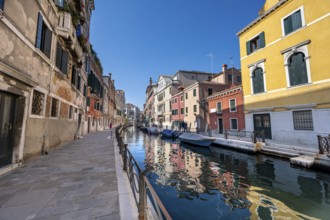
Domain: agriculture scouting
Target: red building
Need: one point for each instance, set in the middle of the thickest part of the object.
(226, 110)
(177, 107)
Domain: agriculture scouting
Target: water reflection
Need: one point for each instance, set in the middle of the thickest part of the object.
(200, 183)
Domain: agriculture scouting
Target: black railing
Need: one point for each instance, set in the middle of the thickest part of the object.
(324, 144)
(139, 183)
(254, 136)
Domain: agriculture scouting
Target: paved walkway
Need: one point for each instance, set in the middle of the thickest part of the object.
(78, 180)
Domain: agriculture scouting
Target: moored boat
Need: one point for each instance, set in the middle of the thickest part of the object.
(167, 133)
(196, 139)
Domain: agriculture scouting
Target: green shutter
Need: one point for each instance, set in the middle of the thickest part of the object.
(296, 20)
(48, 42)
(248, 48)
(288, 25)
(262, 42)
(64, 63)
(39, 31)
(2, 4)
(58, 56)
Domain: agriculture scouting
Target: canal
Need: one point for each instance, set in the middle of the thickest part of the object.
(217, 183)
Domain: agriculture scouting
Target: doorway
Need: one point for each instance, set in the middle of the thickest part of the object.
(220, 124)
(262, 122)
(7, 120)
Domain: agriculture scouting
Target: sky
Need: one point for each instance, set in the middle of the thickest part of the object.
(139, 39)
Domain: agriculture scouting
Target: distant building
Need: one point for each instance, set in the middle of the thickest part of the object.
(149, 110)
(285, 69)
(133, 114)
(120, 101)
(109, 104)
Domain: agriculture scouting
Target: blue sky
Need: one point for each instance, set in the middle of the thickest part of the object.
(139, 39)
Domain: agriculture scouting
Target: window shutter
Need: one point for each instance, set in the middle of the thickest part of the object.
(78, 82)
(39, 31)
(2, 4)
(288, 25)
(58, 56)
(73, 76)
(85, 89)
(64, 63)
(48, 42)
(262, 42)
(248, 48)
(296, 20)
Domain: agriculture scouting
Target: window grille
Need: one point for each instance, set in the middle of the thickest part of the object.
(54, 109)
(303, 120)
(233, 124)
(37, 103)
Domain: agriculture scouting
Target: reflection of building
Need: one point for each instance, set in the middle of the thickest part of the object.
(133, 114)
(285, 69)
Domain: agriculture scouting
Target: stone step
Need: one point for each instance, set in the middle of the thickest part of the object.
(303, 161)
(280, 153)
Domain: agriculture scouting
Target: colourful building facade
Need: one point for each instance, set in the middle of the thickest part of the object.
(285, 71)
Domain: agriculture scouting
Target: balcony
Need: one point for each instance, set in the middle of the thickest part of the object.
(159, 113)
(65, 27)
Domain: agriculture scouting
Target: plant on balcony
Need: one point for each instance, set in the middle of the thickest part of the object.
(97, 60)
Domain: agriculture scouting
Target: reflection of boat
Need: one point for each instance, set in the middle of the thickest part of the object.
(199, 150)
(152, 130)
(166, 133)
(196, 139)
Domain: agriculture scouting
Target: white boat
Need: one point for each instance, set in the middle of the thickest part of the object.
(196, 139)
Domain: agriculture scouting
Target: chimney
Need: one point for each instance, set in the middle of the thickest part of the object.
(224, 67)
(110, 75)
(150, 81)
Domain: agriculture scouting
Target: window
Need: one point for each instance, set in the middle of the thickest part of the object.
(2, 4)
(186, 95)
(195, 108)
(181, 98)
(62, 61)
(233, 124)
(59, 3)
(209, 91)
(256, 43)
(54, 108)
(219, 107)
(194, 92)
(70, 112)
(303, 120)
(78, 82)
(297, 69)
(44, 36)
(258, 80)
(292, 22)
(186, 110)
(232, 104)
(239, 79)
(85, 90)
(230, 78)
(182, 111)
(73, 76)
(37, 103)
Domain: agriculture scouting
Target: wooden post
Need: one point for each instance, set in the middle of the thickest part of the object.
(142, 196)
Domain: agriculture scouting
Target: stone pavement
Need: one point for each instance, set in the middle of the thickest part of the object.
(78, 180)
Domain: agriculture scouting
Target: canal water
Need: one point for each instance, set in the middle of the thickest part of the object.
(216, 183)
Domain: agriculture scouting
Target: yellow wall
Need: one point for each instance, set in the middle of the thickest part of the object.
(316, 29)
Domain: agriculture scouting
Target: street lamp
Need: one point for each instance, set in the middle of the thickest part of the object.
(211, 55)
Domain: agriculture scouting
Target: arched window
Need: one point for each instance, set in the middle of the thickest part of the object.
(297, 69)
(258, 80)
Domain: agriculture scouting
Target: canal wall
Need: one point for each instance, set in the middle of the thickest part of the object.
(299, 156)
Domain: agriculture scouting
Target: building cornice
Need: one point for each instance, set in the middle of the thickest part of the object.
(265, 14)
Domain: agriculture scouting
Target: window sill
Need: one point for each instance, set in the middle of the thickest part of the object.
(300, 85)
(53, 118)
(260, 93)
(60, 74)
(36, 116)
(293, 32)
(43, 56)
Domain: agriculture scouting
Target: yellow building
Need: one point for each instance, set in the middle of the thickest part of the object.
(286, 70)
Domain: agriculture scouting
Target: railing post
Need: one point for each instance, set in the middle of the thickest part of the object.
(263, 136)
(125, 157)
(253, 136)
(225, 132)
(321, 150)
(142, 196)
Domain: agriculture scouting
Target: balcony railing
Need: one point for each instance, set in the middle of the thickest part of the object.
(65, 27)
(324, 144)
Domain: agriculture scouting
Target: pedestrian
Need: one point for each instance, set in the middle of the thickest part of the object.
(110, 125)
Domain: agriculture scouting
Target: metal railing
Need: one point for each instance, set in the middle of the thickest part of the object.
(324, 144)
(140, 184)
(253, 136)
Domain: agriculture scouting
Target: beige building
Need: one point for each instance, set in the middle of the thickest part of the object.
(120, 107)
(196, 105)
(109, 104)
(42, 76)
